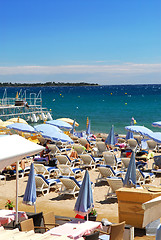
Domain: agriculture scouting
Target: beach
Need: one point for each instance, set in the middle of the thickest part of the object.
(64, 205)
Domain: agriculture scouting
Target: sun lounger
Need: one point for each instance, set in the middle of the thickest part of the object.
(44, 185)
(132, 144)
(65, 170)
(114, 184)
(101, 147)
(142, 177)
(64, 159)
(79, 149)
(89, 161)
(111, 159)
(151, 145)
(106, 171)
(71, 186)
(45, 170)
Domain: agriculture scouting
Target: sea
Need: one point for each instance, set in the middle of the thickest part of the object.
(103, 105)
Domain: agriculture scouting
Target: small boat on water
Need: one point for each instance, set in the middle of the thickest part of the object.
(29, 108)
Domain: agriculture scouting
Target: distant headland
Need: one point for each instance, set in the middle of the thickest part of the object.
(47, 84)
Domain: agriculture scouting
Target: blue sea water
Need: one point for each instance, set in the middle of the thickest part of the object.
(103, 105)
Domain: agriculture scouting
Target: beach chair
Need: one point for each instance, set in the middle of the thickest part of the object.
(54, 150)
(151, 145)
(44, 170)
(69, 186)
(65, 170)
(106, 171)
(114, 184)
(65, 160)
(111, 159)
(116, 232)
(79, 149)
(28, 225)
(132, 144)
(142, 177)
(89, 161)
(125, 163)
(44, 185)
(101, 147)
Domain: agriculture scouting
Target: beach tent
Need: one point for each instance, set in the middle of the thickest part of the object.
(13, 149)
(84, 202)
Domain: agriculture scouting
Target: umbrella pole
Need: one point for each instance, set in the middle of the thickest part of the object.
(35, 207)
(17, 165)
(87, 216)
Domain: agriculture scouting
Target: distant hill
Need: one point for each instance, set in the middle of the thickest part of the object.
(47, 84)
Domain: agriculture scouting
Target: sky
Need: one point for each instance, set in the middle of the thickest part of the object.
(95, 41)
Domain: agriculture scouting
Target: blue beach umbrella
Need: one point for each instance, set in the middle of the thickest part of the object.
(84, 202)
(21, 127)
(139, 129)
(88, 131)
(129, 134)
(60, 124)
(30, 192)
(156, 124)
(73, 127)
(110, 140)
(130, 177)
(156, 136)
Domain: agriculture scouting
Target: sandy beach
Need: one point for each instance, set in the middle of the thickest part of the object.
(64, 205)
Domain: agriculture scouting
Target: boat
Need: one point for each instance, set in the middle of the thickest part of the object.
(27, 107)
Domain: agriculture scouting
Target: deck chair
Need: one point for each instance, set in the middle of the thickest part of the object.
(132, 144)
(142, 177)
(114, 184)
(106, 171)
(54, 150)
(111, 159)
(151, 145)
(44, 170)
(125, 163)
(116, 232)
(69, 186)
(79, 149)
(64, 159)
(66, 170)
(89, 161)
(101, 146)
(44, 185)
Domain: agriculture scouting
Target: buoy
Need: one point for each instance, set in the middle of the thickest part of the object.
(126, 103)
(111, 93)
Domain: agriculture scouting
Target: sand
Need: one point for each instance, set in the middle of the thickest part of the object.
(64, 205)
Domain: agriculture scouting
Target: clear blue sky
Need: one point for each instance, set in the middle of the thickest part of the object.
(103, 41)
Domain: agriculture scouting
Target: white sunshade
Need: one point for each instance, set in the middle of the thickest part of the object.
(14, 148)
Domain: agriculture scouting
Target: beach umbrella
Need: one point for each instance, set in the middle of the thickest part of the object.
(13, 149)
(156, 136)
(17, 120)
(139, 129)
(156, 124)
(53, 133)
(22, 127)
(129, 134)
(69, 120)
(73, 127)
(60, 124)
(88, 131)
(110, 140)
(30, 192)
(130, 177)
(84, 202)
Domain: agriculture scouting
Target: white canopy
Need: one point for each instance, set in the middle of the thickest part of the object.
(14, 148)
